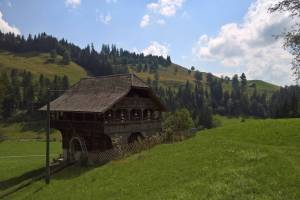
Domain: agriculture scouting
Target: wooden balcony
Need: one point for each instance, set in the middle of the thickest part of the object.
(112, 127)
(132, 126)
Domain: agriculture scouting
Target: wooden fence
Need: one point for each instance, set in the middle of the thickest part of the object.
(123, 151)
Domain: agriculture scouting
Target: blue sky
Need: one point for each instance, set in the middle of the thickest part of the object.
(219, 36)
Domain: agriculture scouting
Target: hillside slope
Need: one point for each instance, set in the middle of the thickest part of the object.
(171, 76)
(257, 159)
(37, 63)
(176, 75)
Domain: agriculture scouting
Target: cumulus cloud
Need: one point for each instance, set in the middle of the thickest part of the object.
(161, 8)
(105, 19)
(145, 21)
(156, 49)
(6, 28)
(72, 3)
(165, 7)
(251, 45)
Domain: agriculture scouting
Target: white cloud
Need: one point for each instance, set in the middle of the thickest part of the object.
(251, 45)
(165, 7)
(223, 74)
(145, 21)
(6, 28)
(72, 3)
(105, 19)
(160, 8)
(156, 49)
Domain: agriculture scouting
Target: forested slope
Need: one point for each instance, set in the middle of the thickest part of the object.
(30, 65)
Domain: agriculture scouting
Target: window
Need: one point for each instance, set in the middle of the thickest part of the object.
(121, 115)
(109, 116)
(136, 114)
(147, 114)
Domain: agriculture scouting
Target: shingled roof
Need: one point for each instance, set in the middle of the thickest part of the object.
(98, 94)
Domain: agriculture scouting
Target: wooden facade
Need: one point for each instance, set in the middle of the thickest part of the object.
(100, 113)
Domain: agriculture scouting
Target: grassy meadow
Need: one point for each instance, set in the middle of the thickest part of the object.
(22, 159)
(37, 63)
(255, 159)
(25, 130)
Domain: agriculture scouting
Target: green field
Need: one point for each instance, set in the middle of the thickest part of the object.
(20, 160)
(255, 159)
(25, 130)
(37, 63)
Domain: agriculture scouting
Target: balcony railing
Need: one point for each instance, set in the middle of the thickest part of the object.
(109, 126)
(132, 126)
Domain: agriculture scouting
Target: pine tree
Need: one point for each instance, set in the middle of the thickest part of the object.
(65, 83)
(66, 57)
(244, 99)
(139, 67)
(198, 76)
(169, 60)
(53, 55)
(4, 84)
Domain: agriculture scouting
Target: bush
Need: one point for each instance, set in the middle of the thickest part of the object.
(178, 122)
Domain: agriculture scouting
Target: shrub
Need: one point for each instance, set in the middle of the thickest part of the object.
(178, 122)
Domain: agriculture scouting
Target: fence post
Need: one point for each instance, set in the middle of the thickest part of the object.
(47, 176)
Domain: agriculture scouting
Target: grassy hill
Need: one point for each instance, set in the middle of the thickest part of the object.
(37, 63)
(256, 159)
(176, 75)
(171, 76)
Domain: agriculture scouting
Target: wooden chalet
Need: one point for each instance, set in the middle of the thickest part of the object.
(99, 113)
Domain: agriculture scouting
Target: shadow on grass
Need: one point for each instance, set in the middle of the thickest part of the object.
(77, 169)
(14, 184)
(11, 182)
(72, 172)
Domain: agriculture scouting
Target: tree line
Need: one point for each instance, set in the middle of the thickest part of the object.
(20, 92)
(203, 100)
(109, 60)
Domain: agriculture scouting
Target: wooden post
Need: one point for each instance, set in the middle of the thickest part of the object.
(47, 174)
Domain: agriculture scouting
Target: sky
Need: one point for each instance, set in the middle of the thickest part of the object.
(225, 37)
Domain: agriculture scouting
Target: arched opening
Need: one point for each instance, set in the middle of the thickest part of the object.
(109, 116)
(135, 137)
(77, 148)
(121, 115)
(136, 115)
(156, 115)
(147, 114)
